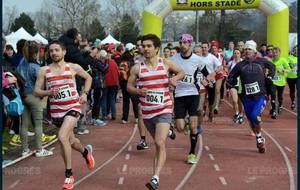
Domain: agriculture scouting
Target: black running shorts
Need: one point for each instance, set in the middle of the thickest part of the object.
(186, 104)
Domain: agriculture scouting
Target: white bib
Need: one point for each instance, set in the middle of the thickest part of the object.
(252, 88)
(294, 70)
(154, 97)
(64, 93)
(277, 78)
(188, 78)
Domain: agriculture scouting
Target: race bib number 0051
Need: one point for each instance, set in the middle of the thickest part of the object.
(64, 93)
(155, 97)
(252, 88)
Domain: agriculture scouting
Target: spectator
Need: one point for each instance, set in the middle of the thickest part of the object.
(19, 55)
(8, 55)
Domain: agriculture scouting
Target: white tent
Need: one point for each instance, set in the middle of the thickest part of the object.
(40, 39)
(109, 39)
(13, 38)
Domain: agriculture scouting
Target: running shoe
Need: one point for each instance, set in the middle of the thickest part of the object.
(273, 114)
(280, 109)
(172, 133)
(192, 159)
(293, 106)
(260, 144)
(142, 145)
(43, 153)
(15, 140)
(26, 152)
(69, 183)
(236, 118)
(99, 122)
(216, 111)
(84, 132)
(153, 184)
(90, 161)
(124, 122)
(47, 138)
(241, 118)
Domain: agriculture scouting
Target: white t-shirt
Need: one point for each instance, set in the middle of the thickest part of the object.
(186, 86)
(212, 62)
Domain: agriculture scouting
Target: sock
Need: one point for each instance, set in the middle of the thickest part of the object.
(193, 138)
(156, 177)
(258, 135)
(85, 153)
(273, 104)
(68, 173)
(143, 138)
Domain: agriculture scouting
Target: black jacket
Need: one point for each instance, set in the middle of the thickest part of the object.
(252, 75)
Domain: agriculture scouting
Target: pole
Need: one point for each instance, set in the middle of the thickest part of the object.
(197, 27)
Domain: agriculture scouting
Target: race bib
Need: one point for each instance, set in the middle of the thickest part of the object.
(188, 78)
(154, 97)
(64, 93)
(252, 88)
(294, 70)
(277, 78)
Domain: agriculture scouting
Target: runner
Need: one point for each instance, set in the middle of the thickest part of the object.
(187, 91)
(251, 73)
(213, 66)
(279, 80)
(292, 76)
(151, 76)
(65, 105)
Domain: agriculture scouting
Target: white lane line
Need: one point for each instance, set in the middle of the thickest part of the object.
(108, 161)
(14, 184)
(121, 181)
(23, 157)
(223, 181)
(217, 168)
(191, 170)
(124, 169)
(130, 148)
(290, 111)
(211, 156)
(286, 159)
(127, 157)
(206, 148)
(287, 148)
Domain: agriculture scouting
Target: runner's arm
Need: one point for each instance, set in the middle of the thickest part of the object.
(132, 80)
(234, 73)
(39, 84)
(174, 68)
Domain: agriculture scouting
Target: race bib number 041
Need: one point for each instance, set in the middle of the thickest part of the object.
(64, 93)
(154, 97)
(252, 88)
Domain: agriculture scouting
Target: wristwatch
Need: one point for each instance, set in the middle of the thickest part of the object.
(86, 92)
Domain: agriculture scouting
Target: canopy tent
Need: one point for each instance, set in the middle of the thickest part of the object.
(110, 40)
(40, 39)
(14, 37)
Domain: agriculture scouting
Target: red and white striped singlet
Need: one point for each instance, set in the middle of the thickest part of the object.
(158, 100)
(68, 98)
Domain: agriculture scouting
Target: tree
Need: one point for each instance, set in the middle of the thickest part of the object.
(96, 30)
(24, 21)
(293, 17)
(11, 14)
(126, 29)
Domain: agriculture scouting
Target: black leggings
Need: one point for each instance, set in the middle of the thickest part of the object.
(292, 86)
(280, 90)
(97, 102)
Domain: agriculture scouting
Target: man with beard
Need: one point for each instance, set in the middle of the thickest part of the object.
(187, 90)
(151, 77)
(65, 104)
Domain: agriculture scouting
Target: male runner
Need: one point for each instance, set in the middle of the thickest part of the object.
(151, 77)
(187, 90)
(252, 76)
(65, 104)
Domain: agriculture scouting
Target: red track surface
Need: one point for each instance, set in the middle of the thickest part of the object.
(228, 159)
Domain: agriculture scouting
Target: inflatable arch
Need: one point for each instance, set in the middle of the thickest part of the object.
(276, 11)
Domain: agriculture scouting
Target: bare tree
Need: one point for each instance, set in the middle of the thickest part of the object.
(11, 14)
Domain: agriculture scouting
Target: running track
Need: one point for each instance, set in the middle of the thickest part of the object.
(228, 159)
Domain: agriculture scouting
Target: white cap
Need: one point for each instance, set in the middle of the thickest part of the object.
(129, 46)
(250, 45)
(102, 53)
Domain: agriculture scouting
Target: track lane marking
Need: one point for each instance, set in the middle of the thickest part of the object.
(223, 181)
(217, 168)
(211, 156)
(14, 184)
(108, 161)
